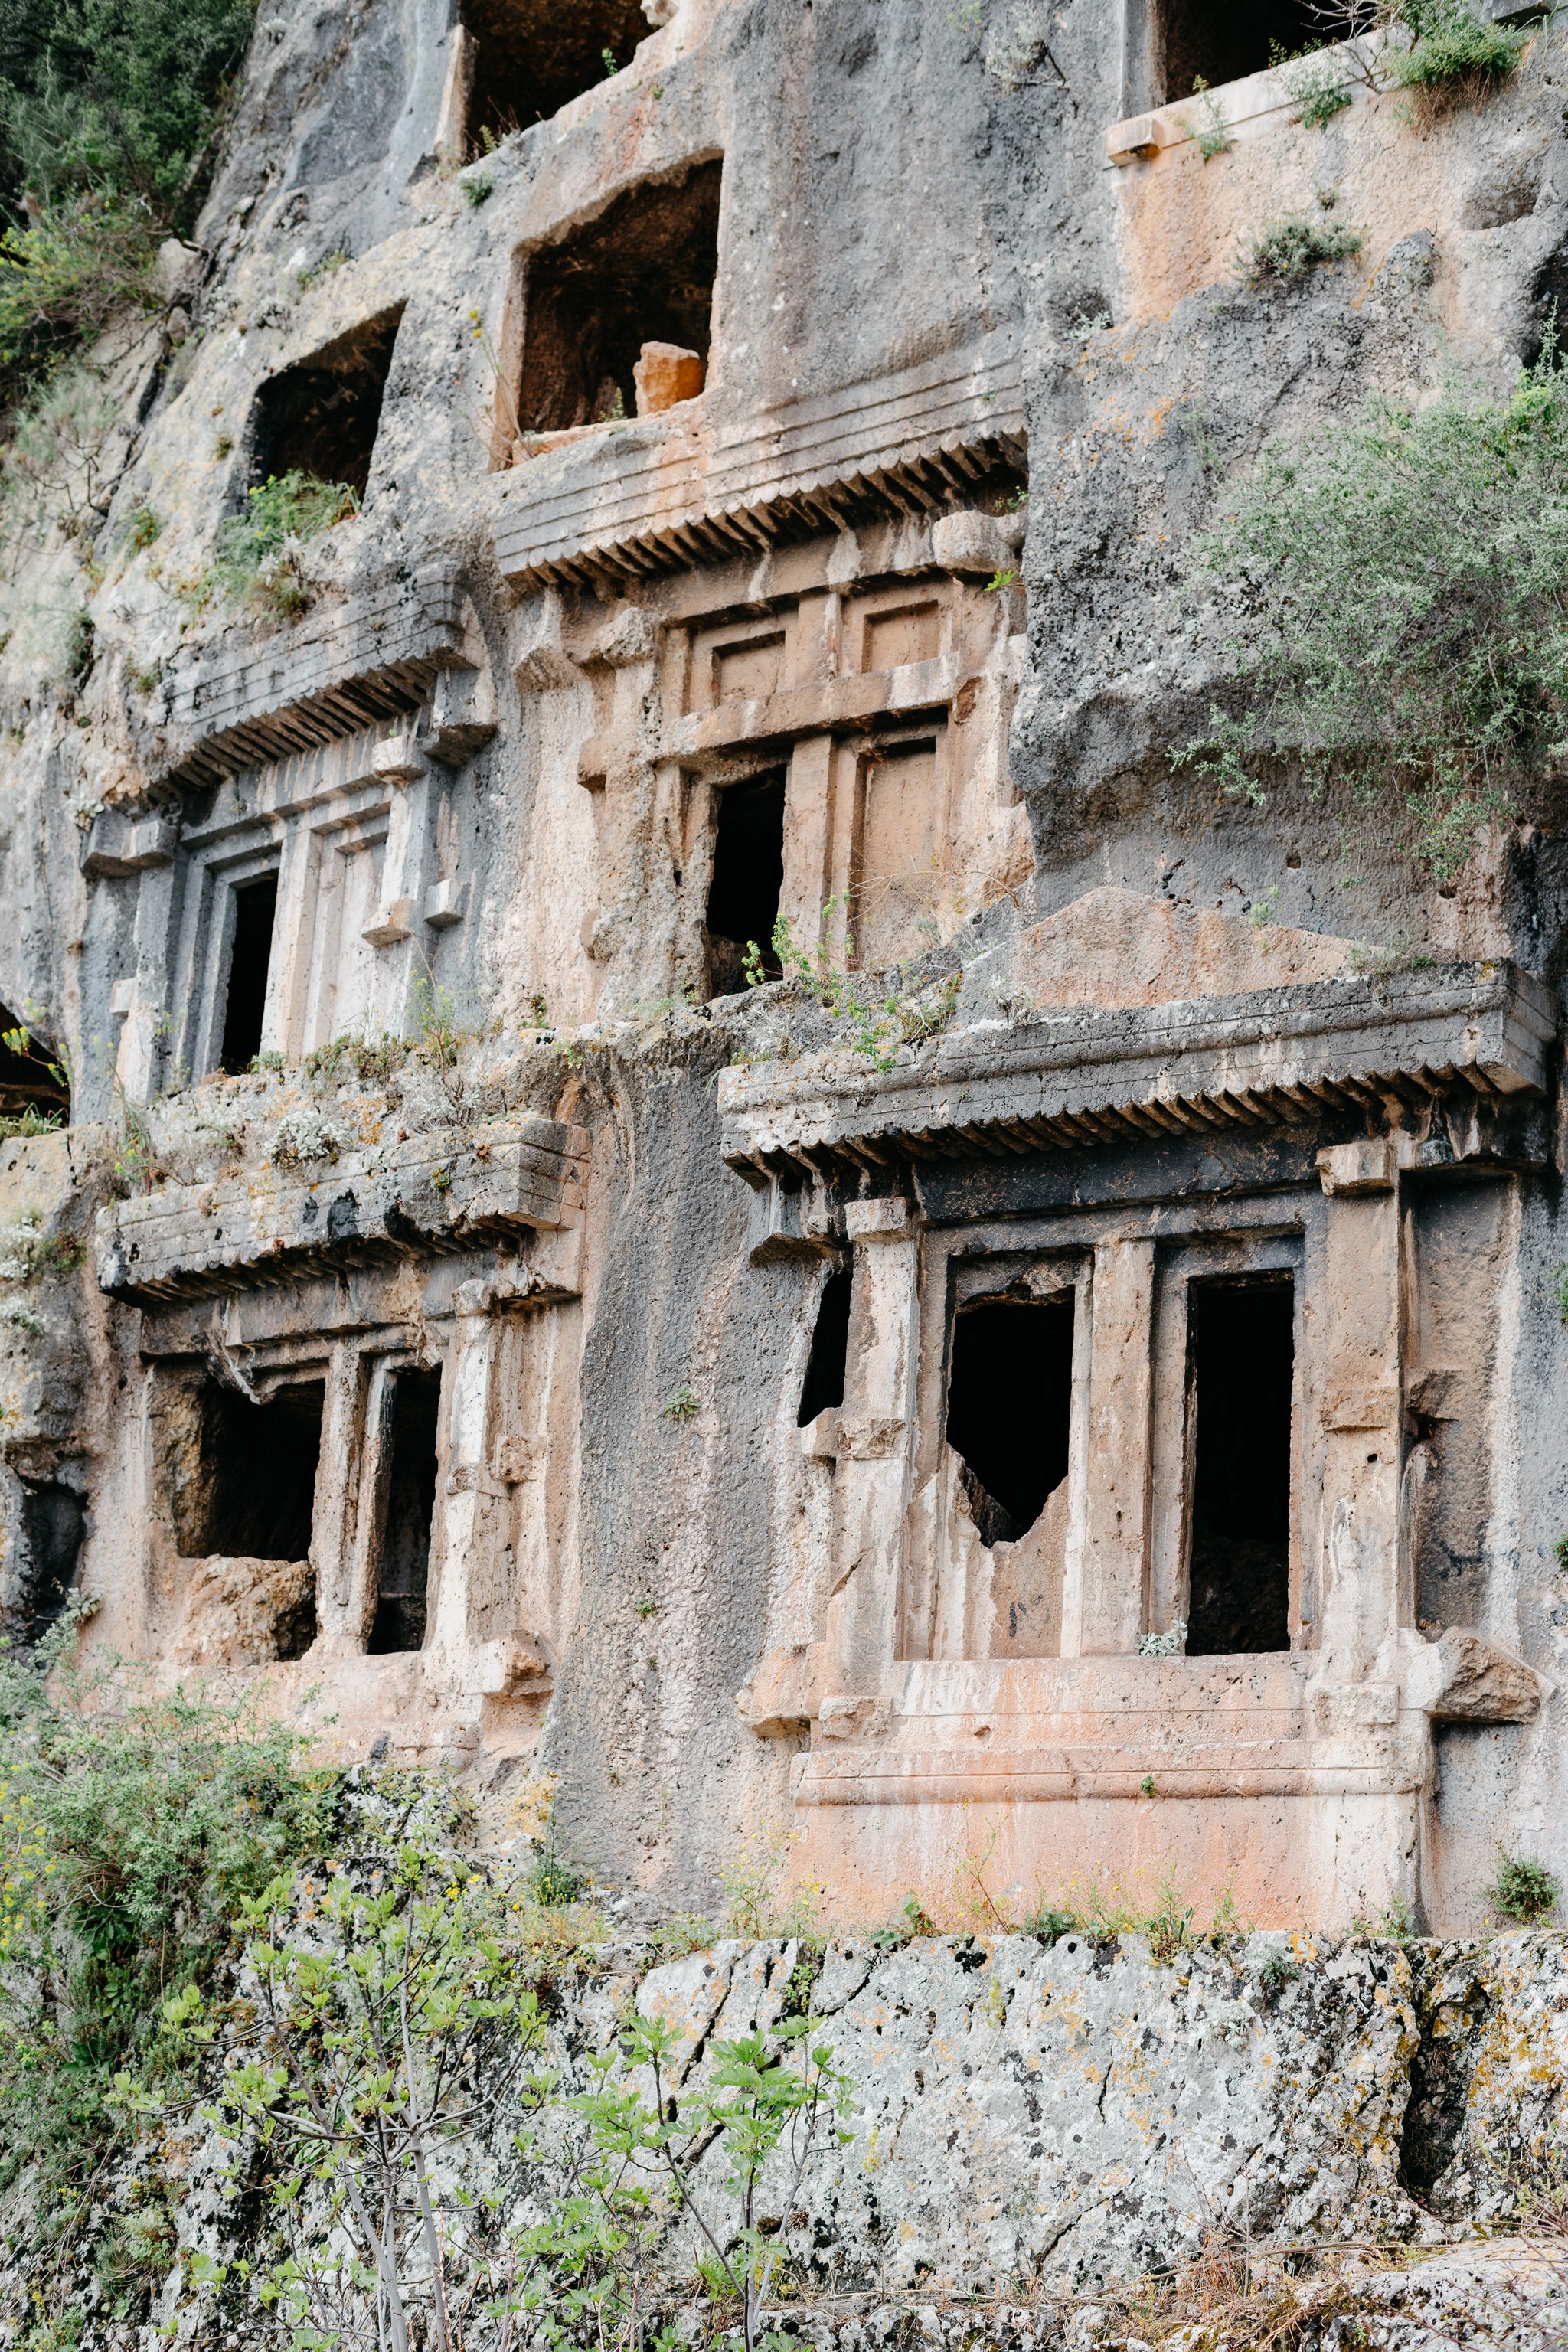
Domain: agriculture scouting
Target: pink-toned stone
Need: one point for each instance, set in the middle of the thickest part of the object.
(665, 375)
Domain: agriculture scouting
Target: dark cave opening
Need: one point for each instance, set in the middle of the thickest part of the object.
(1241, 1341)
(531, 57)
(642, 272)
(1010, 1408)
(748, 875)
(403, 1587)
(249, 962)
(32, 1079)
(256, 1494)
(828, 1361)
(321, 416)
(1213, 41)
(54, 1522)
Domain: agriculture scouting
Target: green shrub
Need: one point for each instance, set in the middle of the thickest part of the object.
(128, 1844)
(1453, 47)
(66, 272)
(1400, 628)
(1287, 248)
(1318, 85)
(121, 99)
(252, 564)
(1523, 1891)
(552, 1882)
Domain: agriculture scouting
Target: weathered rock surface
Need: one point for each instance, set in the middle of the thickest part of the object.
(1033, 2128)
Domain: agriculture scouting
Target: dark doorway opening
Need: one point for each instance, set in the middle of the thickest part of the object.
(401, 1595)
(32, 1076)
(1211, 41)
(748, 875)
(249, 961)
(257, 1494)
(321, 417)
(829, 1359)
(1241, 1344)
(642, 272)
(53, 1524)
(1010, 1408)
(530, 57)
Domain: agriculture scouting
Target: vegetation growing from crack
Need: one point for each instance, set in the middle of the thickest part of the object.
(1286, 249)
(1524, 1891)
(1212, 135)
(879, 1019)
(1440, 49)
(1319, 85)
(1397, 625)
(29, 1253)
(257, 559)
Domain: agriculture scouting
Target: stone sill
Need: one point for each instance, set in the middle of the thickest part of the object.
(1252, 105)
(1245, 107)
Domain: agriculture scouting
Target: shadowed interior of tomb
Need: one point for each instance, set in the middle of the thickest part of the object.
(249, 959)
(830, 1358)
(53, 1524)
(27, 1073)
(1213, 41)
(1241, 1347)
(400, 1606)
(642, 272)
(530, 57)
(748, 875)
(322, 415)
(257, 1492)
(1010, 1408)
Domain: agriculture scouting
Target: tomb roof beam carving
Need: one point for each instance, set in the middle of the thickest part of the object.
(1477, 1031)
(255, 696)
(412, 1199)
(666, 491)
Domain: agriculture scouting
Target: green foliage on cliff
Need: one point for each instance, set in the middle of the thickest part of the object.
(1454, 45)
(109, 113)
(254, 564)
(117, 98)
(1396, 594)
(130, 1839)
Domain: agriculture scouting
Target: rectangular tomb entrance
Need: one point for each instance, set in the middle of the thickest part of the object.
(414, 1405)
(1242, 1347)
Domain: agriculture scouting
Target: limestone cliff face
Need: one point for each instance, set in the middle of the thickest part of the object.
(1030, 2129)
(776, 465)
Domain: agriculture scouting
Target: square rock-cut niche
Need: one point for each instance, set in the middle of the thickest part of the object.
(739, 660)
(748, 667)
(906, 633)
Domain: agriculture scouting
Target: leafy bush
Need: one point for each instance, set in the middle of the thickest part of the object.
(128, 1844)
(1400, 628)
(253, 565)
(1523, 1891)
(1286, 249)
(1318, 84)
(117, 98)
(66, 272)
(1453, 45)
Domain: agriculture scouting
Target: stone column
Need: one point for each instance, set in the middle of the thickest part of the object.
(1103, 1587)
(1359, 1344)
(808, 800)
(337, 1537)
(871, 1483)
(465, 1411)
